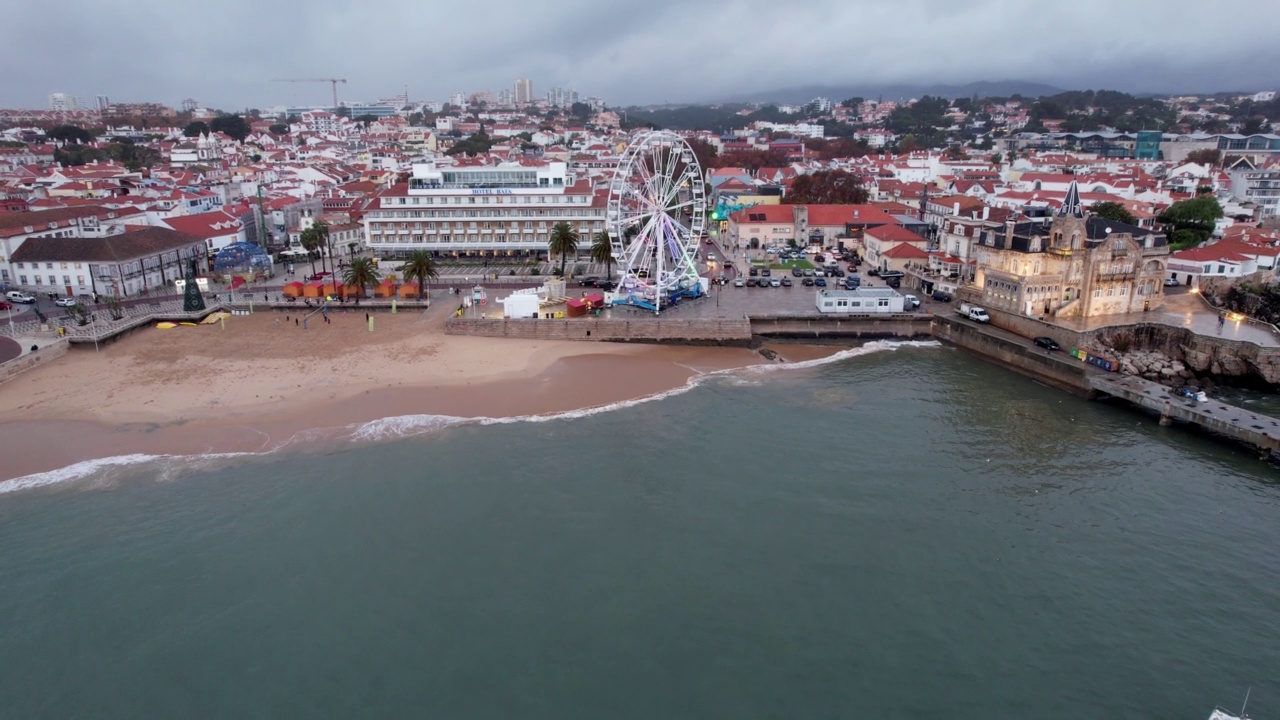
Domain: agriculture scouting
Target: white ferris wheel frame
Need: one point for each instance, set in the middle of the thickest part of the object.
(658, 177)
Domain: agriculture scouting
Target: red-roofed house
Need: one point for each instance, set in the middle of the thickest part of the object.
(878, 241)
(217, 229)
(901, 255)
(1189, 267)
(762, 225)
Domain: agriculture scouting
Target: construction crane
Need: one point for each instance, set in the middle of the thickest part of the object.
(332, 81)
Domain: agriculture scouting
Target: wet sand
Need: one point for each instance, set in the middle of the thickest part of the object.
(257, 384)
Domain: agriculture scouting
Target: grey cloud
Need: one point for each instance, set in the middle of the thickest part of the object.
(627, 51)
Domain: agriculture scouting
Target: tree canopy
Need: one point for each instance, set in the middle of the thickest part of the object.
(1113, 211)
(1208, 156)
(1191, 221)
(69, 133)
(232, 126)
(827, 187)
(195, 129)
(279, 128)
(474, 145)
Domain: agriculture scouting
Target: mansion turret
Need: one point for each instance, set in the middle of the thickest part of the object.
(1076, 265)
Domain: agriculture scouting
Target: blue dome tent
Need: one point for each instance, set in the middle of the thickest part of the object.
(242, 257)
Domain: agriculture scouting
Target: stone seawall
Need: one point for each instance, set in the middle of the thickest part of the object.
(657, 330)
(30, 361)
(831, 326)
(1055, 368)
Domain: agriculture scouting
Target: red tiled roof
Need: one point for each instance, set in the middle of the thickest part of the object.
(906, 251)
(891, 233)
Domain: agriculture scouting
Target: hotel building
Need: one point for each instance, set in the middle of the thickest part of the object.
(483, 210)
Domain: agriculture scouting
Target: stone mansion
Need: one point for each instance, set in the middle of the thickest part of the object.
(1073, 266)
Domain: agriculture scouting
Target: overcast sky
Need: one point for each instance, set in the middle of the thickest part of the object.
(224, 54)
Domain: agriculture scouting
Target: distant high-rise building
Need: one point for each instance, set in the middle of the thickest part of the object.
(189, 105)
(62, 102)
(524, 90)
(559, 97)
(505, 97)
(102, 102)
(458, 99)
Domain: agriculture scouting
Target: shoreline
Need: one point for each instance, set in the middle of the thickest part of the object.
(259, 385)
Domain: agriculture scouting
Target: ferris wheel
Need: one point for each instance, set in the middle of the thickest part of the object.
(657, 213)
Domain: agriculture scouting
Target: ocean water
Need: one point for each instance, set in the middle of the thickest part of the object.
(897, 533)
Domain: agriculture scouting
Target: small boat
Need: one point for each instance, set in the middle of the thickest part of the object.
(1221, 714)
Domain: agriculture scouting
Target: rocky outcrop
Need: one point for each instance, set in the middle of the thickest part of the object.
(1160, 368)
(1169, 354)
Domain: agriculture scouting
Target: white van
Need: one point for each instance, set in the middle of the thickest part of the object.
(19, 297)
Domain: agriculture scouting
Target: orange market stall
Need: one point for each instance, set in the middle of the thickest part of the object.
(293, 290)
(386, 289)
(409, 290)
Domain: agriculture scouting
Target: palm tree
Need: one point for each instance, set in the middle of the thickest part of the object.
(602, 250)
(564, 240)
(362, 273)
(422, 267)
(322, 241)
(310, 240)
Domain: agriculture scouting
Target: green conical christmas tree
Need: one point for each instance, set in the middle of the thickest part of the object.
(192, 300)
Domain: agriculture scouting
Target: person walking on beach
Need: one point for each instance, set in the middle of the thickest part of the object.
(1222, 320)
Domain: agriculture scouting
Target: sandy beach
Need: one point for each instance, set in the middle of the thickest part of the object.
(264, 379)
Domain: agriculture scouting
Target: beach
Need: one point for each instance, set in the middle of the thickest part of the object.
(265, 379)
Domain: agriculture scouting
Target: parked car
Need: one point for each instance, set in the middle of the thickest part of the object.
(20, 297)
(1047, 343)
(941, 296)
(1170, 282)
(66, 302)
(807, 282)
(751, 282)
(775, 283)
(786, 282)
(765, 272)
(754, 271)
(797, 272)
(820, 282)
(808, 272)
(738, 282)
(911, 301)
(588, 281)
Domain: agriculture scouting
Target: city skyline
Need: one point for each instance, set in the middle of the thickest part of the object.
(634, 53)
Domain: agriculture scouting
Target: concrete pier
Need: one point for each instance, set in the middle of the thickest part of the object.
(1260, 431)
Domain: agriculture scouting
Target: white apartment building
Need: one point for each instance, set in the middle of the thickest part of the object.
(483, 210)
(1260, 187)
(524, 90)
(62, 102)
